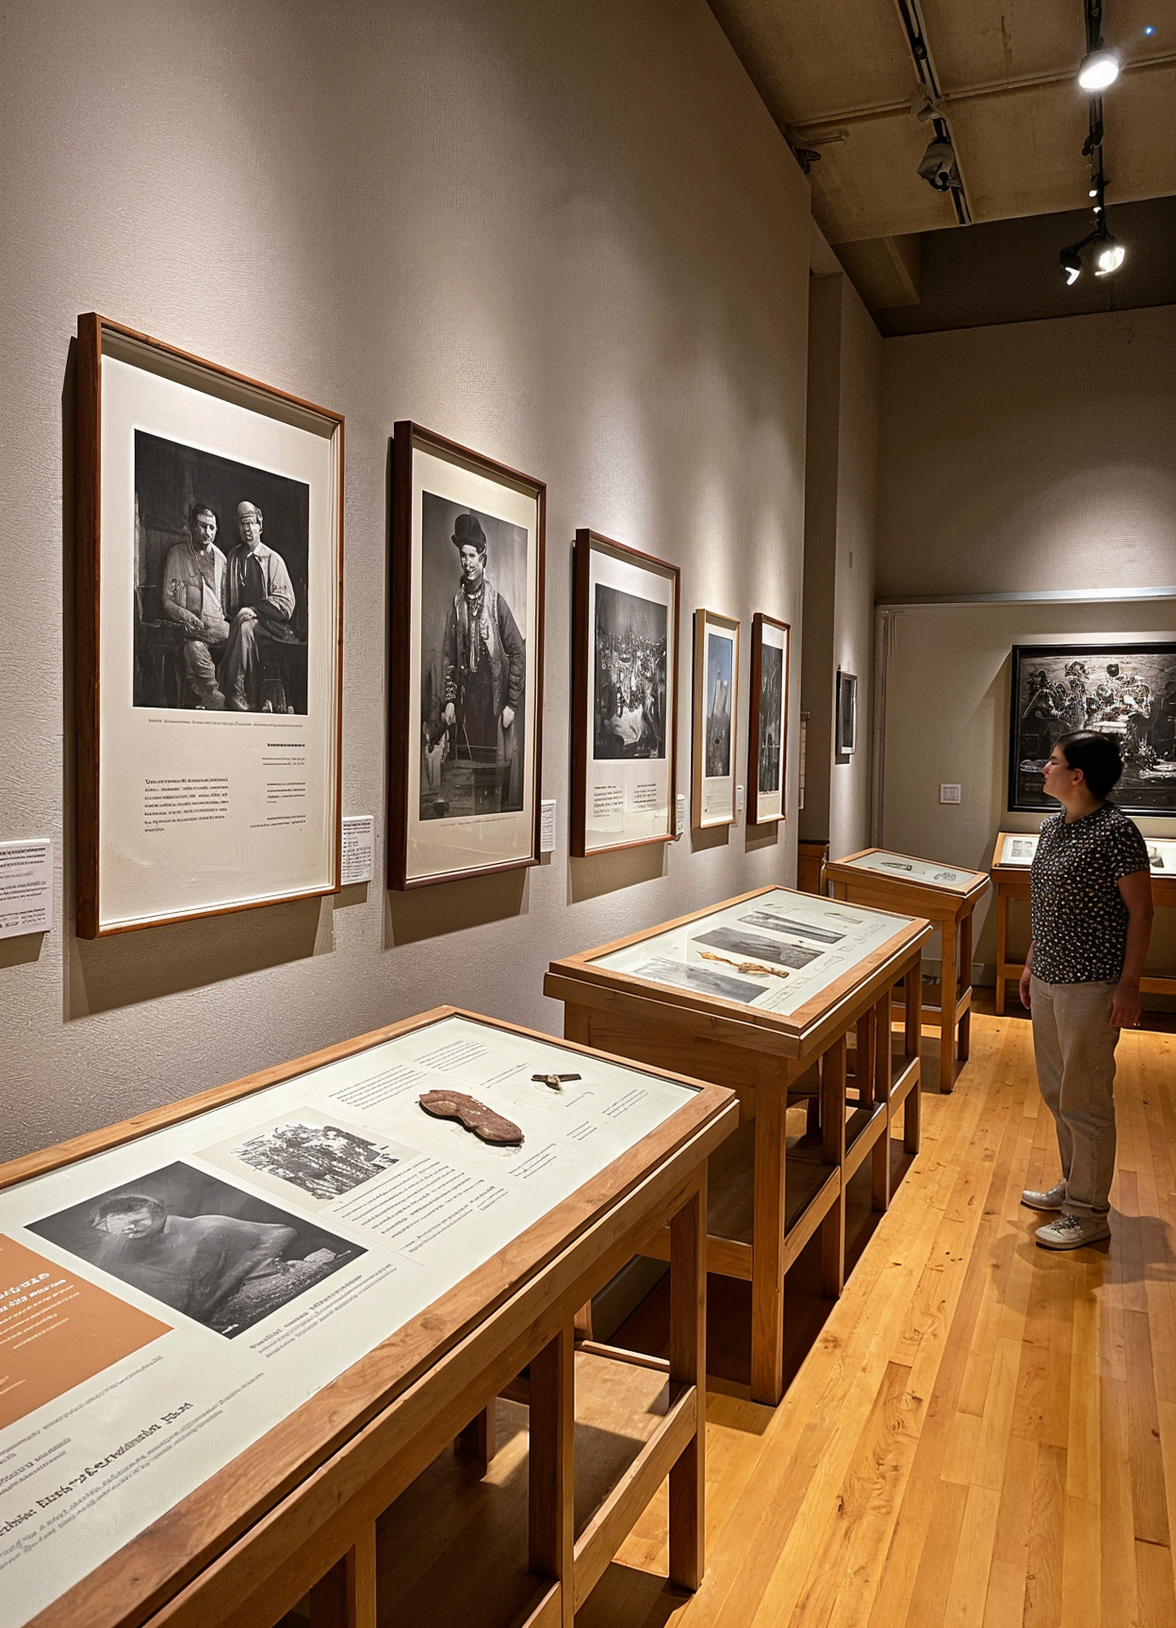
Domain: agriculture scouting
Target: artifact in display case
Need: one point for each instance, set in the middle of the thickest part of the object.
(217, 1295)
(624, 697)
(767, 738)
(716, 686)
(946, 895)
(1127, 691)
(467, 662)
(209, 690)
(761, 993)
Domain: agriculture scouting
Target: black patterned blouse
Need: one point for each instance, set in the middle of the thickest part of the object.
(1079, 918)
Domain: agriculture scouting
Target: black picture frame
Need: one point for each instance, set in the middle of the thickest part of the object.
(846, 713)
(1127, 690)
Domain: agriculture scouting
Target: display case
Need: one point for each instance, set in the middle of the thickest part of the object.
(946, 895)
(240, 1326)
(763, 993)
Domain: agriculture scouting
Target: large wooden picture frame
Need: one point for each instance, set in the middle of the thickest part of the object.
(209, 637)
(716, 712)
(467, 662)
(624, 697)
(767, 731)
(1127, 691)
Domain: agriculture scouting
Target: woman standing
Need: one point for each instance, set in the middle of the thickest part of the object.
(1091, 919)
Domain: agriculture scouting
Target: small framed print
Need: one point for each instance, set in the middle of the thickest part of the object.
(209, 615)
(767, 739)
(624, 697)
(846, 714)
(716, 680)
(467, 662)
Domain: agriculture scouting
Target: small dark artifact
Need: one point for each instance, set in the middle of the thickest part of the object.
(555, 1081)
(474, 1116)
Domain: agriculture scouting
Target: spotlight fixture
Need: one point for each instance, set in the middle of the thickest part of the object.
(1108, 257)
(1098, 70)
(938, 167)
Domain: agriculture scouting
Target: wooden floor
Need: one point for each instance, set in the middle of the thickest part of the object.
(983, 1433)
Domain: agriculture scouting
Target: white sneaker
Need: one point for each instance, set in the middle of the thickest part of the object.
(1053, 1199)
(1073, 1231)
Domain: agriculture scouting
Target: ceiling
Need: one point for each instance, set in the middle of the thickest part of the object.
(840, 79)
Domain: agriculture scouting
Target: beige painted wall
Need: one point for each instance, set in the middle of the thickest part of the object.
(568, 236)
(841, 517)
(947, 709)
(1033, 456)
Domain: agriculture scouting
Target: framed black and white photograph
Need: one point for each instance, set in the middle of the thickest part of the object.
(1127, 691)
(209, 573)
(467, 662)
(624, 696)
(767, 736)
(207, 1249)
(716, 681)
(846, 722)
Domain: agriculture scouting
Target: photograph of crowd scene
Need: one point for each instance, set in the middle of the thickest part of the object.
(629, 692)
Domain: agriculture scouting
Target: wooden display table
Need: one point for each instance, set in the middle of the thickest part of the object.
(400, 1273)
(1011, 859)
(701, 993)
(946, 895)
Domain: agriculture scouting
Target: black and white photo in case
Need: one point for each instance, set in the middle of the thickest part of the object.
(751, 947)
(220, 583)
(630, 686)
(719, 655)
(195, 1243)
(325, 1161)
(473, 662)
(701, 980)
(1125, 691)
(770, 707)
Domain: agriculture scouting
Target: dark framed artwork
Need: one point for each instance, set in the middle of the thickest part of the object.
(767, 735)
(716, 688)
(846, 713)
(1124, 690)
(209, 617)
(467, 662)
(624, 696)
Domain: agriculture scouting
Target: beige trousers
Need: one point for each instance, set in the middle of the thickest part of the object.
(1074, 1047)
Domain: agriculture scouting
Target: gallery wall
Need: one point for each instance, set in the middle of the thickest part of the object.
(569, 237)
(841, 520)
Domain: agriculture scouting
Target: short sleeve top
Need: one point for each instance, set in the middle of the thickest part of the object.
(1079, 918)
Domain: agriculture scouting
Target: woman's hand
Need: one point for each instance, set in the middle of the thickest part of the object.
(1125, 1006)
(1026, 979)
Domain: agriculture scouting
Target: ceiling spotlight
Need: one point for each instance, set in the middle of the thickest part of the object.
(1071, 265)
(1099, 69)
(1149, 30)
(1108, 257)
(938, 167)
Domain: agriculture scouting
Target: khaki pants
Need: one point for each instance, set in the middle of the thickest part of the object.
(1074, 1047)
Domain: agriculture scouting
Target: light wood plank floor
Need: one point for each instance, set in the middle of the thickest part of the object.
(982, 1434)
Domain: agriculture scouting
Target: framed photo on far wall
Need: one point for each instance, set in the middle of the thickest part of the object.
(209, 593)
(767, 737)
(467, 662)
(716, 682)
(1127, 691)
(624, 697)
(846, 713)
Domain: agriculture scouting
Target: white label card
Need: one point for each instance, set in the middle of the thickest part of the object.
(26, 887)
(359, 835)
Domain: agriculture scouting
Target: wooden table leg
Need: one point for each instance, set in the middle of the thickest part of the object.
(833, 1151)
(576, 1024)
(964, 1040)
(346, 1596)
(880, 1177)
(477, 1443)
(1002, 933)
(767, 1249)
(912, 1113)
(688, 1367)
(949, 990)
(551, 1516)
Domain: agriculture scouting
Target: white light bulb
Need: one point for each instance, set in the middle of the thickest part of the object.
(1109, 258)
(1099, 69)
(1072, 275)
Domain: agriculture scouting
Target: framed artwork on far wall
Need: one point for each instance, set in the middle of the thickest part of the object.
(624, 697)
(466, 662)
(1127, 691)
(716, 684)
(209, 637)
(846, 713)
(767, 735)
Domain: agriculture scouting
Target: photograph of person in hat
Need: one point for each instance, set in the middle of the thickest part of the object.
(471, 697)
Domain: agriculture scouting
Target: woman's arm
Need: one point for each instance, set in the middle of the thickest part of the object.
(1026, 974)
(1136, 892)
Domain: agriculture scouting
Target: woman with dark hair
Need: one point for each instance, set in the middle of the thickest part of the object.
(1090, 887)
